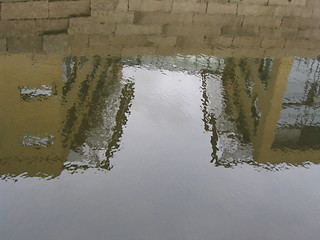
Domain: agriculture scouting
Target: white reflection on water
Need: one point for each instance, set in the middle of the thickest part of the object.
(37, 142)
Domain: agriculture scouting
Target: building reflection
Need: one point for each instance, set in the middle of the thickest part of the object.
(266, 108)
(60, 118)
(69, 113)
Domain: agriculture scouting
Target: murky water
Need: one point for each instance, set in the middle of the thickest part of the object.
(161, 148)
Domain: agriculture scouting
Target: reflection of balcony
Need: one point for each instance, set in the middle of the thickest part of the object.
(50, 115)
(252, 110)
(300, 114)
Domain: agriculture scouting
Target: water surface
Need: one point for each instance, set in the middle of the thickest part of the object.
(179, 147)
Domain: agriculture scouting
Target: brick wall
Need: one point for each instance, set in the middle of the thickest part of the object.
(126, 27)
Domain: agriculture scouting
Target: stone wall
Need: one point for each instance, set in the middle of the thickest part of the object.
(165, 27)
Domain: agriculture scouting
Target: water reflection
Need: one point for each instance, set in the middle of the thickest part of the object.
(70, 114)
(95, 121)
(265, 113)
(78, 126)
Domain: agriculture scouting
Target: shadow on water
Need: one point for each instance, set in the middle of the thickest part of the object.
(71, 114)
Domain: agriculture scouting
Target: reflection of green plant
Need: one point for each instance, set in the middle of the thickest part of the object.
(228, 80)
(312, 86)
(83, 95)
(70, 69)
(255, 112)
(205, 101)
(265, 69)
(127, 94)
(96, 92)
(209, 118)
(311, 94)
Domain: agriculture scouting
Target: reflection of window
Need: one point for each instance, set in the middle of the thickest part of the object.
(301, 102)
(299, 125)
(304, 137)
(36, 94)
(37, 142)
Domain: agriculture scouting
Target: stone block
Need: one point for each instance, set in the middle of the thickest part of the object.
(125, 42)
(288, 3)
(306, 53)
(146, 18)
(129, 29)
(316, 12)
(90, 25)
(219, 41)
(262, 21)
(122, 6)
(123, 17)
(22, 28)
(254, 52)
(313, 3)
(165, 51)
(222, 52)
(303, 44)
(216, 1)
(69, 9)
(239, 41)
(183, 7)
(312, 34)
(256, 2)
(102, 7)
(160, 41)
(293, 12)
(240, 31)
(8, 1)
(300, 22)
(190, 30)
(114, 18)
(150, 5)
(79, 44)
(56, 44)
(51, 26)
(217, 20)
(99, 41)
(276, 53)
(107, 7)
(255, 10)
(104, 51)
(219, 8)
(132, 52)
(273, 43)
(3, 45)
(24, 10)
(206, 50)
(24, 45)
(197, 41)
(278, 33)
